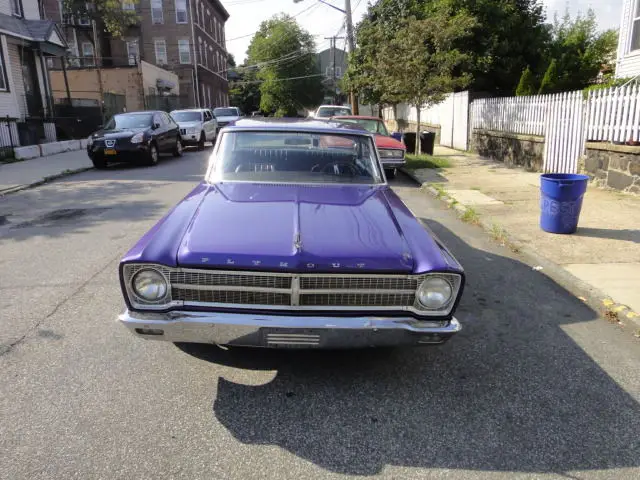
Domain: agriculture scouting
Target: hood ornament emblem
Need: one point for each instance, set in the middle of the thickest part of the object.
(297, 243)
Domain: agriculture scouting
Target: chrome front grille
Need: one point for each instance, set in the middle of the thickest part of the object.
(206, 278)
(231, 297)
(183, 131)
(357, 299)
(336, 282)
(288, 291)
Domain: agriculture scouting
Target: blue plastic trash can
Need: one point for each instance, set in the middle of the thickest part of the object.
(561, 197)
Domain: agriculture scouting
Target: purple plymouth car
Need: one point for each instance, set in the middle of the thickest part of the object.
(293, 239)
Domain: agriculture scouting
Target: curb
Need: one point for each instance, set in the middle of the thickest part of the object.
(45, 180)
(596, 299)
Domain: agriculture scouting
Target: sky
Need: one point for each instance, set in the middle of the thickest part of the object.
(323, 21)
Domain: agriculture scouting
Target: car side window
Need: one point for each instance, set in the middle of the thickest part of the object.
(207, 116)
(167, 120)
(157, 119)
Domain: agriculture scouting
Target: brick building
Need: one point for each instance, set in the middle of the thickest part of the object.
(186, 37)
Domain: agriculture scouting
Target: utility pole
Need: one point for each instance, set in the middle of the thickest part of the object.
(352, 47)
(98, 60)
(333, 65)
(350, 38)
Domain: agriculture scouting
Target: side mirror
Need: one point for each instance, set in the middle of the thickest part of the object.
(155, 126)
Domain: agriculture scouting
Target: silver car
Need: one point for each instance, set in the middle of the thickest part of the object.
(197, 126)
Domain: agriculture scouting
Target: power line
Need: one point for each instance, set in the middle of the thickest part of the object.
(277, 79)
(312, 6)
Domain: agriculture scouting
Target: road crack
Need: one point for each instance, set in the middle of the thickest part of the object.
(5, 349)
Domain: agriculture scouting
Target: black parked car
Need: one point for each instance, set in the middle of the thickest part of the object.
(137, 137)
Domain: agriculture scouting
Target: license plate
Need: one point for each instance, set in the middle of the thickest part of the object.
(110, 151)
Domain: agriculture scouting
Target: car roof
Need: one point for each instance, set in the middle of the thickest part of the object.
(356, 117)
(296, 125)
(140, 112)
(335, 106)
(189, 110)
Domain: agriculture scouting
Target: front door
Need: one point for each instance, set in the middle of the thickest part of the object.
(32, 96)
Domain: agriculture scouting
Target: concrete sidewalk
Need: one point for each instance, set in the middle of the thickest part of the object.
(19, 175)
(605, 251)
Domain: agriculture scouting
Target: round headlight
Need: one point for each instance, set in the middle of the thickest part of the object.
(150, 285)
(434, 293)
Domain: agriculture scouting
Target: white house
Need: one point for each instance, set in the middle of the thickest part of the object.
(628, 59)
(25, 42)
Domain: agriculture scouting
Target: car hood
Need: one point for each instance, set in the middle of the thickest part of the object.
(294, 228)
(382, 141)
(118, 133)
(304, 228)
(228, 119)
(189, 124)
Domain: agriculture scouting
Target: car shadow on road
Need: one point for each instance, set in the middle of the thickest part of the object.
(511, 393)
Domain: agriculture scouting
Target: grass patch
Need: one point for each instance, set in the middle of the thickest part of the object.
(415, 162)
(475, 188)
(440, 189)
(470, 216)
(498, 234)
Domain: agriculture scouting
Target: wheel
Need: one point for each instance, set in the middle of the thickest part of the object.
(152, 158)
(201, 141)
(177, 151)
(99, 163)
(390, 173)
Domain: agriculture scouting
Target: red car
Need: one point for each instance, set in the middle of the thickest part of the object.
(392, 152)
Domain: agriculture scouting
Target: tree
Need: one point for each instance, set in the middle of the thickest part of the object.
(581, 52)
(109, 15)
(508, 36)
(283, 55)
(231, 61)
(526, 86)
(427, 65)
(244, 89)
(549, 82)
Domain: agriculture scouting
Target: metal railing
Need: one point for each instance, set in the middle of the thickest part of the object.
(76, 62)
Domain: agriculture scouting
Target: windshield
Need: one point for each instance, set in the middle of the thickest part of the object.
(139, 120)
(296, 157)
(326, 112)
(373, 126)
(225, 112)
(186, 116)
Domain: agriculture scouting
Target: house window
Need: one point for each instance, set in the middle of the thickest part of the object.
(184, 49)
(201, 62)
(4, 86)
(16, 8)
(209, 95)
(635, 29)
(87, 53)
(133, 52)
(157, 15)
(181, 11)
(339, 72)
(128, 5)
(206, 55)
(160, 47)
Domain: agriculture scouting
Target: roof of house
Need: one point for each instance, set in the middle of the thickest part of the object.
(32, 30)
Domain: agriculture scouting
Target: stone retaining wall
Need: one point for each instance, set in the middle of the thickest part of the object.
(525, 151)
(613, 166)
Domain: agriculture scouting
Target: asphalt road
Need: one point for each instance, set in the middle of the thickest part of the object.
(536, 386)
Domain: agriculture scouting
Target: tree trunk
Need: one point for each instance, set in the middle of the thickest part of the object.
(418, 130)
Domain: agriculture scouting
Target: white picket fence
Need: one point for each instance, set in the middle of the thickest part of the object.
(613, 115)
(564, 132)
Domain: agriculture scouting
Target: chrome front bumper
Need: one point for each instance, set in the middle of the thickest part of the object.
(279, 331)
(394, 163)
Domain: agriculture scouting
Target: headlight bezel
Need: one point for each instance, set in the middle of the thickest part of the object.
(128, 273)
(436, 285)
(391, 153)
